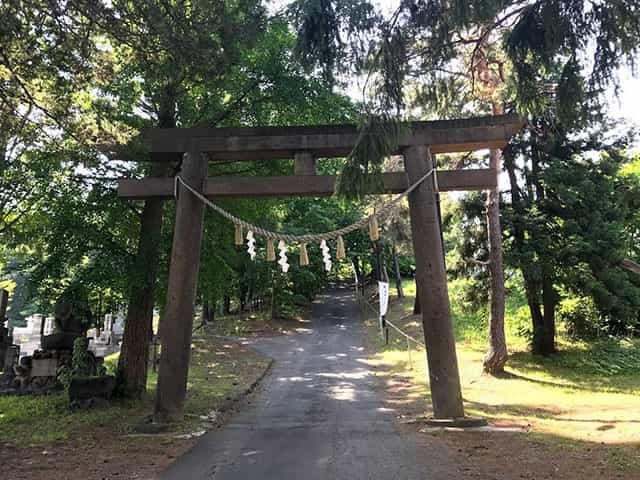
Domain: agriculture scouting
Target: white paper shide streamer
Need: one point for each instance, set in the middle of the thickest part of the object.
(301, 240)
(326, 257)
(284, 264)
(251, 245)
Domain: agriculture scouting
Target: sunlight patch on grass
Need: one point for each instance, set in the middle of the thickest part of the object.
(562, 396)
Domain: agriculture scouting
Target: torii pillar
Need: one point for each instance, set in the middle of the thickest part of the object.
(431, 282)
(177, 320)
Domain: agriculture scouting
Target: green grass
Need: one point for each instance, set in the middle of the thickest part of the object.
(219, 370)
(587, 394)
(29, 420)
(239, 325)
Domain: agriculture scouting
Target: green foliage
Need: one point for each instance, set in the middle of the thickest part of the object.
(208, 64)
(306, 284)
(520, 322)
(581, 317)
(607, 358)
(320, 27)
(533, 55)
(81, 364)
(378, 138)
(570, 220)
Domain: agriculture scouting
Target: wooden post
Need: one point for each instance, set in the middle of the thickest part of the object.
(431, 281)
(304, 164)
(177, 321)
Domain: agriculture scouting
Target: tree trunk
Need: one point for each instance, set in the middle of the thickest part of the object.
(138, 329)
(531, 286)
(363, 277)
(417, 306)
(532, 289)
(496, 356)
(134, 354)
(377, 260)
(396, 265)
(226, 305)
(381, 270)
(549, 300)
(205, 314)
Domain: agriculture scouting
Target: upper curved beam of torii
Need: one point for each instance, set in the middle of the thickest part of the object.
(264, 143)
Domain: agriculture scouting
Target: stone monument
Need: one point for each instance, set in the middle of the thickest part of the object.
(72, 319)
(6, 338)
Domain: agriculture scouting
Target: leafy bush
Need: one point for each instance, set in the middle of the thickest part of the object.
(407, 265)
(520, 323)
(581, 317)
(470, 294)
(300, 300)
(82, 365)
(305, 283)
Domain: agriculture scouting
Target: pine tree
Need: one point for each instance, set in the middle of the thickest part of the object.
(543, 68)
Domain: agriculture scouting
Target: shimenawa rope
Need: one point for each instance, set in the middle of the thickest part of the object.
(317, 237)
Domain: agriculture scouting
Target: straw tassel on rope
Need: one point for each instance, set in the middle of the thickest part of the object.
(374, 233)
(304, 256)
(340, 253)
(271, 251)
(238, 235)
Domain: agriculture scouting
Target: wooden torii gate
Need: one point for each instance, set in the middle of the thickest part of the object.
(306, 144)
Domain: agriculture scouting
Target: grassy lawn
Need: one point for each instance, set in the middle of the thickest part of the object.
(29, 425)
(586, 395)
(253, 324)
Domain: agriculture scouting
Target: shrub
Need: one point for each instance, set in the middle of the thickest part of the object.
(82, 364)
(520, 323)
(305, 283)
(581, 317)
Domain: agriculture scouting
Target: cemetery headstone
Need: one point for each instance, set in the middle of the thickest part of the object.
(5, 336)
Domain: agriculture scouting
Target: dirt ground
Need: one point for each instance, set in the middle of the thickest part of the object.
(112, 457)
(103, 451)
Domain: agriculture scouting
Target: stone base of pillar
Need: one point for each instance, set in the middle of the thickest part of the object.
(462, 422)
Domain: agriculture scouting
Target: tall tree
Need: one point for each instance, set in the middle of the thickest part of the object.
(175, 56)
(545, 46)
(569, 225)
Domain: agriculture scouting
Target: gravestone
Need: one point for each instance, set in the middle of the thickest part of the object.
(5, 335)
(49, 326)
(108, 322)
(118, 324)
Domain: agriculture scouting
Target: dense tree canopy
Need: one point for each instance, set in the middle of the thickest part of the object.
(79, 79)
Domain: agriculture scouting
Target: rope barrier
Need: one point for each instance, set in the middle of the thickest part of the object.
(360, 224)
(407, 336)
(396, 328)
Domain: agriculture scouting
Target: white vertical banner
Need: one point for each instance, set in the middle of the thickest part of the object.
(383, 295)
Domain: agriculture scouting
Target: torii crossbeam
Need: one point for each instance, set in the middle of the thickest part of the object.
(306, 144)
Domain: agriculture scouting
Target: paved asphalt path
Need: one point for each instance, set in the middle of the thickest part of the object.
(316, 416)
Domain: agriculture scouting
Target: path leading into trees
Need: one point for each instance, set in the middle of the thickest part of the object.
(318, 415)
